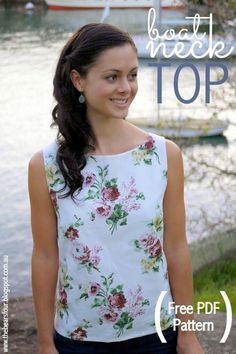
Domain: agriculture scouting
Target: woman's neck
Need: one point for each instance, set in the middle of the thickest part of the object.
(116, 136)
(109, 136)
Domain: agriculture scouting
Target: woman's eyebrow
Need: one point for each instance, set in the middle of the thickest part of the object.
(116, 70)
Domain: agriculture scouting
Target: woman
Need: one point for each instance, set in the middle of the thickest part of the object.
(105, 220)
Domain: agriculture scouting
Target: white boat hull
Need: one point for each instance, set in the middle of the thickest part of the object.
(188, 128)
(118, 4)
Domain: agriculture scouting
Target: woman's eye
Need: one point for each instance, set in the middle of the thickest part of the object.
(133, 76)
(114, 77)
(111, 77)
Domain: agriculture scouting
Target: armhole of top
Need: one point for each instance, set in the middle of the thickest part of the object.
(165, 160)
(46, 151)
(161, 146)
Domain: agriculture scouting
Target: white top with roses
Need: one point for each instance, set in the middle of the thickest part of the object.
(112, 265)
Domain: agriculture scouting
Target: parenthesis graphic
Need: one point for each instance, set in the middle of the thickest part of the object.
(158, 316)
(228, 317)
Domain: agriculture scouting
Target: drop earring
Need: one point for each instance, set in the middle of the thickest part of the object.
(81, 98)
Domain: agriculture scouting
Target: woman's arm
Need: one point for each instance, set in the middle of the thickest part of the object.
(176, 247)
(44, 255)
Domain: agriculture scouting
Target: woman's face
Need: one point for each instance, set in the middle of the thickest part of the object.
(111, 84)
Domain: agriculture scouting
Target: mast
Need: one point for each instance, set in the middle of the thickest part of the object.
(106, 12)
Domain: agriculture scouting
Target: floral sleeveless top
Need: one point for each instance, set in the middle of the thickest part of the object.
(112, 267)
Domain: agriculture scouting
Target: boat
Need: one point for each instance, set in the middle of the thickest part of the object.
(185, 128)
(113, 4)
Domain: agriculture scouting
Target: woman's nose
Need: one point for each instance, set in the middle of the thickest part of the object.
(124, 85)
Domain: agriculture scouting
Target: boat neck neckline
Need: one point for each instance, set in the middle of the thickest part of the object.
(150, 135)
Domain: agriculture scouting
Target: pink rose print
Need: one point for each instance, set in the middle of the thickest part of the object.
(95, 260)
(111, 201)
(89, 179)
(53, 198)
(110, 193)
(135, 302)
(94, 288)
(71, 233)
(86, 257)
(151, 244)
(146, 152)
(117, 300)
(103, 210)
(149, 143)
(109, 315)
(147, 241)
(129, 196)
(156, 250)
(62, 303)
(152, 248)
(80, 252)
(113, 306)
(63, 297)
(79, 334)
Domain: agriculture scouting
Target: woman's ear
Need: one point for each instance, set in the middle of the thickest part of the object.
(76, 80)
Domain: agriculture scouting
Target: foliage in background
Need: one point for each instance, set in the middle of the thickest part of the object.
(218, 276)
(224, 12)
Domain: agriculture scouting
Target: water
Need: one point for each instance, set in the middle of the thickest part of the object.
(29, 48)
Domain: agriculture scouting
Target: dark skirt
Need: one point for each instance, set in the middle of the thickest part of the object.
(149, 344)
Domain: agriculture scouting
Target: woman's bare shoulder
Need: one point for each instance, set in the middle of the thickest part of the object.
(174, 153)
(43, 215)
(172, 148)
(36, 161)
(36, 171)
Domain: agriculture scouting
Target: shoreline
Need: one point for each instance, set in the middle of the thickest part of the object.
(21, 2)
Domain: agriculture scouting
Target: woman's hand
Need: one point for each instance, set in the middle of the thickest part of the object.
(48, 349)
(188, 344)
